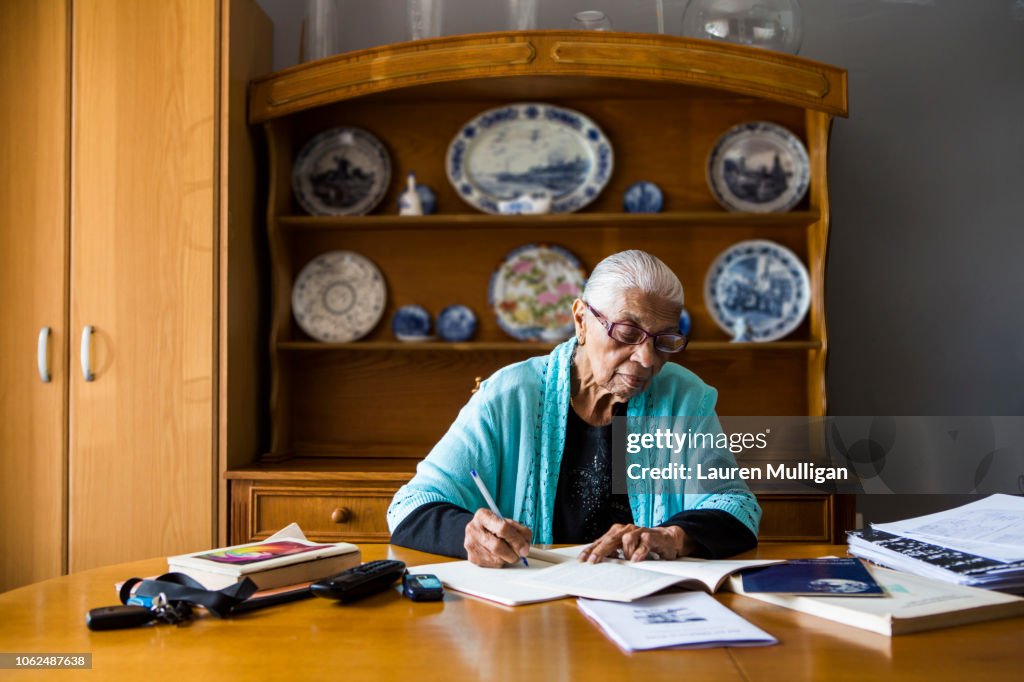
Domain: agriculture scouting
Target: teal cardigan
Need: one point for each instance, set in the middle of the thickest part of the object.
(512, 431)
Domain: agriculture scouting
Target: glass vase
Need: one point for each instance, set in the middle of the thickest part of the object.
(769, 24)
(425, 18)
(522, 15)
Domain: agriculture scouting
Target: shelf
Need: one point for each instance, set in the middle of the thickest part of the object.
(551, 61)
(327, 469)
(475, 221)
(518, 346)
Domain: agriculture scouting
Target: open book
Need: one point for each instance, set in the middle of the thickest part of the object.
(914, 604)
(555, 574)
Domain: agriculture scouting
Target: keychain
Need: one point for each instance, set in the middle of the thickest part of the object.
(137, 613)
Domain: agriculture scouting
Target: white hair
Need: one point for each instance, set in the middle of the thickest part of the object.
(633, 269)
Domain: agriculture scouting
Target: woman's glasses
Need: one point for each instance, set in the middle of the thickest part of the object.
(634, 336)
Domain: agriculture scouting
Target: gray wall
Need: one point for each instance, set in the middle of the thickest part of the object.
(925, 275)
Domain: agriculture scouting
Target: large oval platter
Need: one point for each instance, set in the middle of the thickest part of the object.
(523, 149)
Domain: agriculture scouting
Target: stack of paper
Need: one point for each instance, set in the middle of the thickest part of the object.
(681, 620)
(979, 544)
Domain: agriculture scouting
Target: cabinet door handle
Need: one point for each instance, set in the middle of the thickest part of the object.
(86, 353)
(43, 354)
(341, 515)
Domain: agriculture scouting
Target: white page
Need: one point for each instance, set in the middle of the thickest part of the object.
(494, 584)
(607, 580)
(687, 619)
(710, 572)
(992, 527)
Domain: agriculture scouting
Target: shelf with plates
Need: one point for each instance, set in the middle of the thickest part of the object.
(661, 102)
(477, 221)
(519, 346)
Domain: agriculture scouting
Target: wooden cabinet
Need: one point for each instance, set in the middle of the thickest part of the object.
(378, 404)
(125, 211)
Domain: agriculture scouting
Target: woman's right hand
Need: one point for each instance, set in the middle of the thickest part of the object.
(493, 542)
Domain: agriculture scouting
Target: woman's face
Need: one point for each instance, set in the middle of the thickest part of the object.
(619, 368)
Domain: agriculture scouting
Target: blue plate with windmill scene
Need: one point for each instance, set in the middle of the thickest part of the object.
(759, 167)
(521, 149)
(342, 171)
(759, 287)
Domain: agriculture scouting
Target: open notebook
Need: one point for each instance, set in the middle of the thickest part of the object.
(555, 574)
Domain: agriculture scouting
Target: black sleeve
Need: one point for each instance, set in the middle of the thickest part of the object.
(435, 527)
(718, 533)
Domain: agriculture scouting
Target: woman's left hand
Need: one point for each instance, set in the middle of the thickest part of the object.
(637, 543)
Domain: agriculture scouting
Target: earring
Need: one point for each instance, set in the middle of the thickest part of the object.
(581, 340)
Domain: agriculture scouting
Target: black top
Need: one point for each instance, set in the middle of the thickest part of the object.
(585, 507)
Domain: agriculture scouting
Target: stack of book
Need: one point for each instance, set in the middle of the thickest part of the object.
(980, 544)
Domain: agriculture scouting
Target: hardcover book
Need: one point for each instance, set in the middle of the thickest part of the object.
(914, 604)
(839, 577)
(285, 558)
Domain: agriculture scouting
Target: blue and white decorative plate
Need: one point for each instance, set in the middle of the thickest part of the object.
(759, 167)
(524, 148)
(342, 171)
(339, 296)
(532, 292)
(758, 289)
(456, 323)
(411, 323)
(643, 197)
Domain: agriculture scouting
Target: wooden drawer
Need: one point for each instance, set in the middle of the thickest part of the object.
(329, 512)
(796, 518)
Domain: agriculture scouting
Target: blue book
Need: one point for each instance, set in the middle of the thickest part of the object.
(841, 577)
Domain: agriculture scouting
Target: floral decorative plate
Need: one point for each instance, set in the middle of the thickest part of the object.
(342, 171)
(532, 292)
(526, 148)
(757, 290)
(759, 167)
(339, 296)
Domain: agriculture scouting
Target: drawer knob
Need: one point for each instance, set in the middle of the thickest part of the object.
(341, 515)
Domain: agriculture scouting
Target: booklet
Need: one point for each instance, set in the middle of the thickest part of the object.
(839, 577)
(556, 574)
(285, 558)
(680, 620)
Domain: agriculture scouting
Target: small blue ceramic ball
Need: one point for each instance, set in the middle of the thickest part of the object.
(411, 323)
(456, 323)
(643, 197)
(684, 322)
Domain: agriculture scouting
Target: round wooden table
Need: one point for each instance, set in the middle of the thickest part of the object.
(387, 637)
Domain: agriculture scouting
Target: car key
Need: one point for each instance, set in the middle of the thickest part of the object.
(131, 615)
(118, 617)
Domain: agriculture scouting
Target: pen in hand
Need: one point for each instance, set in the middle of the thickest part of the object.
(490, 501)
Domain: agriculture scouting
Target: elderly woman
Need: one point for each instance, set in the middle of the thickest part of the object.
(538, 433)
